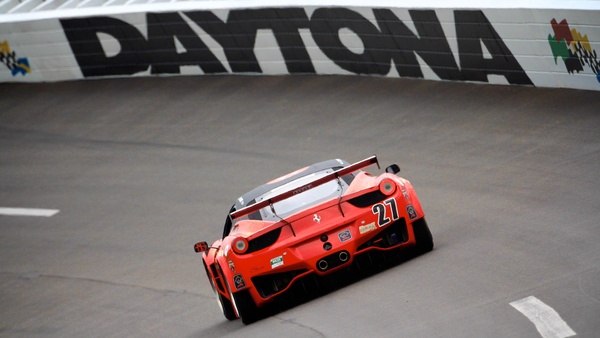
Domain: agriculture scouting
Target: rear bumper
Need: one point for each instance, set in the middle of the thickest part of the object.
(297, 267)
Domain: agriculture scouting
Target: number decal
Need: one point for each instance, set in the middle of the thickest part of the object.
(380, 210)
(392, 203)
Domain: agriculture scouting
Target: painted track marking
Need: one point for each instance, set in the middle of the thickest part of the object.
(28, 212)
(546, 319)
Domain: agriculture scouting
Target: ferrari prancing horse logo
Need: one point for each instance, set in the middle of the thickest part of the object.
(317, 218)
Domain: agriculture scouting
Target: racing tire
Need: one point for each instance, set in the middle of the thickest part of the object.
(246, 307)
(422, 236)
(227, 308)
(224, 303)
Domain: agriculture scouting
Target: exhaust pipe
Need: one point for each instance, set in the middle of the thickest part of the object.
(343, 256)
(333, 260)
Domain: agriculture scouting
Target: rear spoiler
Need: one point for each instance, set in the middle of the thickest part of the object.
(322, 180)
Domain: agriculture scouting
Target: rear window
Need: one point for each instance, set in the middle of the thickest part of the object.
(303, 200)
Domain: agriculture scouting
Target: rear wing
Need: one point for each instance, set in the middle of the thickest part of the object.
(322, 180)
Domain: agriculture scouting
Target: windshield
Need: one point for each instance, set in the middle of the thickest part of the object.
(303, 200)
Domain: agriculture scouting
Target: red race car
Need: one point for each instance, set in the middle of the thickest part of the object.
(312, 222)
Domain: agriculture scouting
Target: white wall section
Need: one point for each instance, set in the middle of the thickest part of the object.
(540, 43)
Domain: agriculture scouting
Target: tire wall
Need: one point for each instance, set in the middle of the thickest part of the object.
(544, 47)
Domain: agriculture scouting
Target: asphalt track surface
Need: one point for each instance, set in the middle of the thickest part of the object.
(142, 168)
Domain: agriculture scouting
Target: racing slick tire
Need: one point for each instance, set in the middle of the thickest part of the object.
(422, 236)
(226, 307)
(246, 307)
(224, 303)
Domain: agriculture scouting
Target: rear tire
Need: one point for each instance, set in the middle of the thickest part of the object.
(227, 307)
(422, 236)
(246, 307)
(224, 303)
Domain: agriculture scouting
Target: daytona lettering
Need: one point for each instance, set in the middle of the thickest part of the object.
(170, 43)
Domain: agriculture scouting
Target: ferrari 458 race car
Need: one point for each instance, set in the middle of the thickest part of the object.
(312, 222)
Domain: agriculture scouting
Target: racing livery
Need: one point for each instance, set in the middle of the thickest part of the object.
(312, 222)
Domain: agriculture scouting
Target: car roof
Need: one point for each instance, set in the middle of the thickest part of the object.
(250, 197)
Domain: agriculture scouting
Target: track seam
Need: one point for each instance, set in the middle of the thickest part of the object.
(166, 292)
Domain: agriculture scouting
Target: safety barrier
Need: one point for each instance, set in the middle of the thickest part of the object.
(554, 45)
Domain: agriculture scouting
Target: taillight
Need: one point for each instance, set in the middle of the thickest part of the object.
(240, 245)
(387, 186)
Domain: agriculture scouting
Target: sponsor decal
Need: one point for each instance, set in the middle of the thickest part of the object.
(573, 48)
(239, 282)
(363, 229)
(345, 235)
(169, 41)
(317, 218)
(15, 64)
(277, 261)
(412, 213)
(231, 265)
(302, 189)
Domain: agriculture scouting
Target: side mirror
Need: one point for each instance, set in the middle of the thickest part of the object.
(393, 169)
(200, 246)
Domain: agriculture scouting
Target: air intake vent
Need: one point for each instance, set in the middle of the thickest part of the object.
(367, 199)
(263, 241)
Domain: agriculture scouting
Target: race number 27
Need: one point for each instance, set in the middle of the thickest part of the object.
(381, 211)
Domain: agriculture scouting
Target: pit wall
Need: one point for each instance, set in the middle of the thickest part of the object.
(542, 47)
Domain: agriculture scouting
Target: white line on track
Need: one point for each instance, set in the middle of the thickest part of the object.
(546, 319)
(28, 212)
